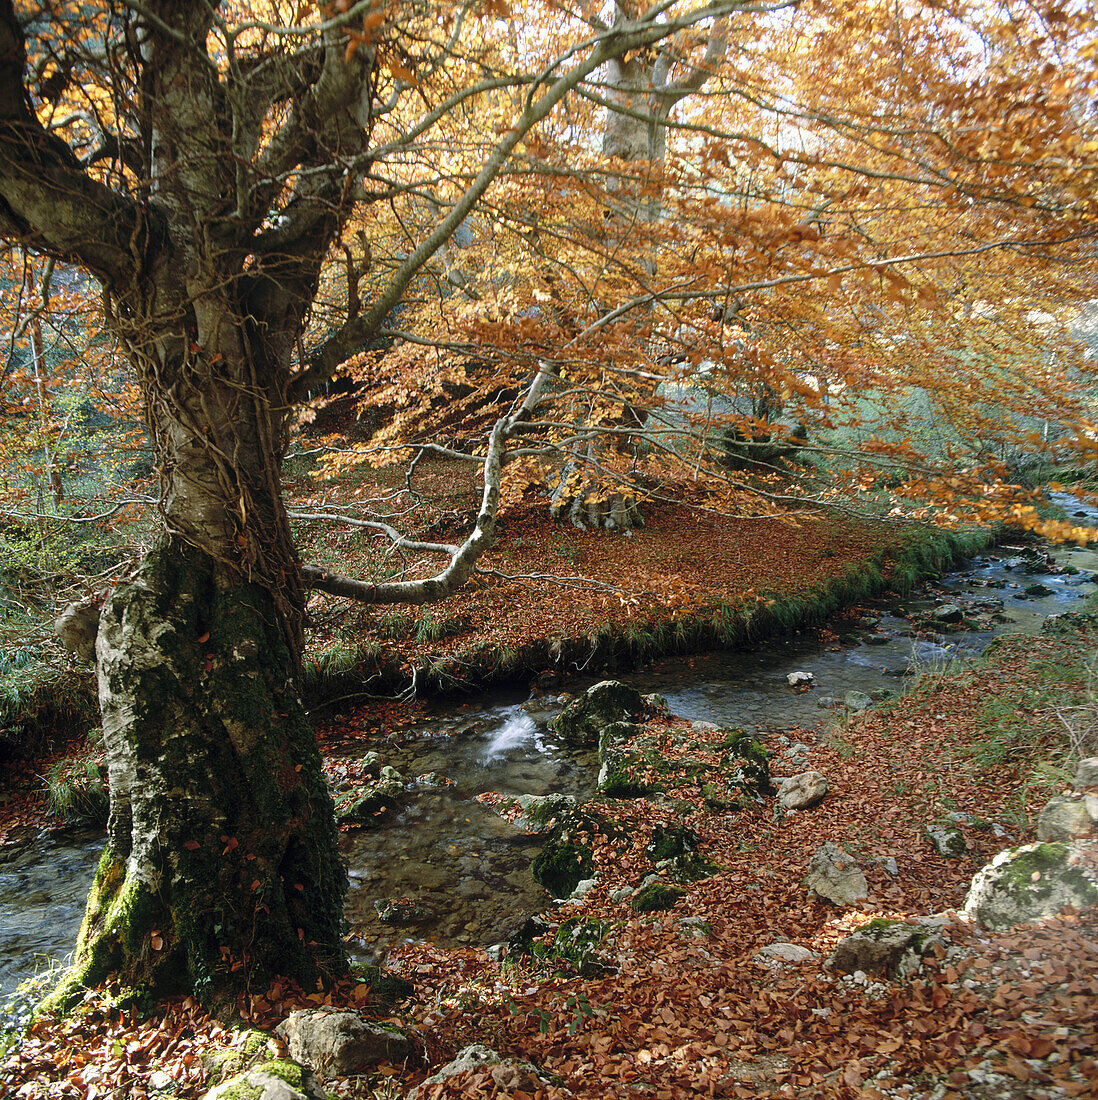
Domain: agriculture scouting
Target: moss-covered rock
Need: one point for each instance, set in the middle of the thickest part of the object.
(630, 771)
(562, 865)
(274, 1080)
(370, 803)
(886, 948)
(247, 1050)
(1031, 883)
(947, 840)
(744, 763)
(581, 722)
(670, 841)
(655, 897)
(615, 735)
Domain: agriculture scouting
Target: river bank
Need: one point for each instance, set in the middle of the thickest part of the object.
(555, 602)
(723, 991)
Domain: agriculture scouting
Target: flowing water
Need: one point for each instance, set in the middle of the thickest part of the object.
(448, 869)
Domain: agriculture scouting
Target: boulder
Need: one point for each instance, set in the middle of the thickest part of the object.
(1065, 818)
(540, 813)
(371, 801)
(562, 864)
(857, 700)
(946, 840)
(799, 792)
(656, 897)
(886, 948)
(800, 679)
(277, 1080)
(509, 1075)
(341, 1043)
(581, 722)
(657, 704)
(888, 864)
(616, 734)
(629, 771)
(1086, 774)
(947, 613)
(1033, 882)
(702, 726)
(834, 875)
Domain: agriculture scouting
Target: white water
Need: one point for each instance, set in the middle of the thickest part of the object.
(518, 729)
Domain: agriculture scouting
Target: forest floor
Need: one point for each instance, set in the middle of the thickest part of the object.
(678, 1003)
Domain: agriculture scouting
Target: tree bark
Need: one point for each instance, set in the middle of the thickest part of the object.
(221, 867)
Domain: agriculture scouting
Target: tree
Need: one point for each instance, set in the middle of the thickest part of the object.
(223, 169)
(202, 161)
(847, 238)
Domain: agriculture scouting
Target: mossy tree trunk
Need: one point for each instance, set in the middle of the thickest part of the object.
(221, 866)
(226, 172)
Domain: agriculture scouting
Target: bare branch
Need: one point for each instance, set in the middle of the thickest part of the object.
(464, 558)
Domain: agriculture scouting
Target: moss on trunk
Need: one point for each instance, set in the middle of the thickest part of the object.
(221, 867)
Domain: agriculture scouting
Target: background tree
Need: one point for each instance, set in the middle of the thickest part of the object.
(851, 239)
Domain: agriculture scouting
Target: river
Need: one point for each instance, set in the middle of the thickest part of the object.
(447, 869)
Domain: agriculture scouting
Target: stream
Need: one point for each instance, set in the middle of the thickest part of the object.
(447, 869)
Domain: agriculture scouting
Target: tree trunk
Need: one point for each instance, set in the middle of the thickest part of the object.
(221, 858)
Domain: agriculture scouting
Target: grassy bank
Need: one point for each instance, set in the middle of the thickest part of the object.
(675, 587)
(560, 602)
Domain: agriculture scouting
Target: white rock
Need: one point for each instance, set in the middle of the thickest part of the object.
(800, 791)
(508, 1074)
(1064, 818)
(340, 1043)
(1086, 774)
(834, 876)
(1032, 882)
(796, 679)
(784, 953)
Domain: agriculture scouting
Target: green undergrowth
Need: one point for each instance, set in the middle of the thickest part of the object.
(76, 789)
(1029, 705)
(42, 699)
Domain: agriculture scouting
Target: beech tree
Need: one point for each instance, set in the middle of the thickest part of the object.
(819, 197)
(874, 226)
(201, 161)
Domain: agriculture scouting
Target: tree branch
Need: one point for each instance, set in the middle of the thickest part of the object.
(463, 558)
(46, 198)
(625, 35)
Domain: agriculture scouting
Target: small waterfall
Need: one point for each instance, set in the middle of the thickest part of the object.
(515, 731)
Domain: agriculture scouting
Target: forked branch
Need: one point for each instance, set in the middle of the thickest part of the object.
(463, 558)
